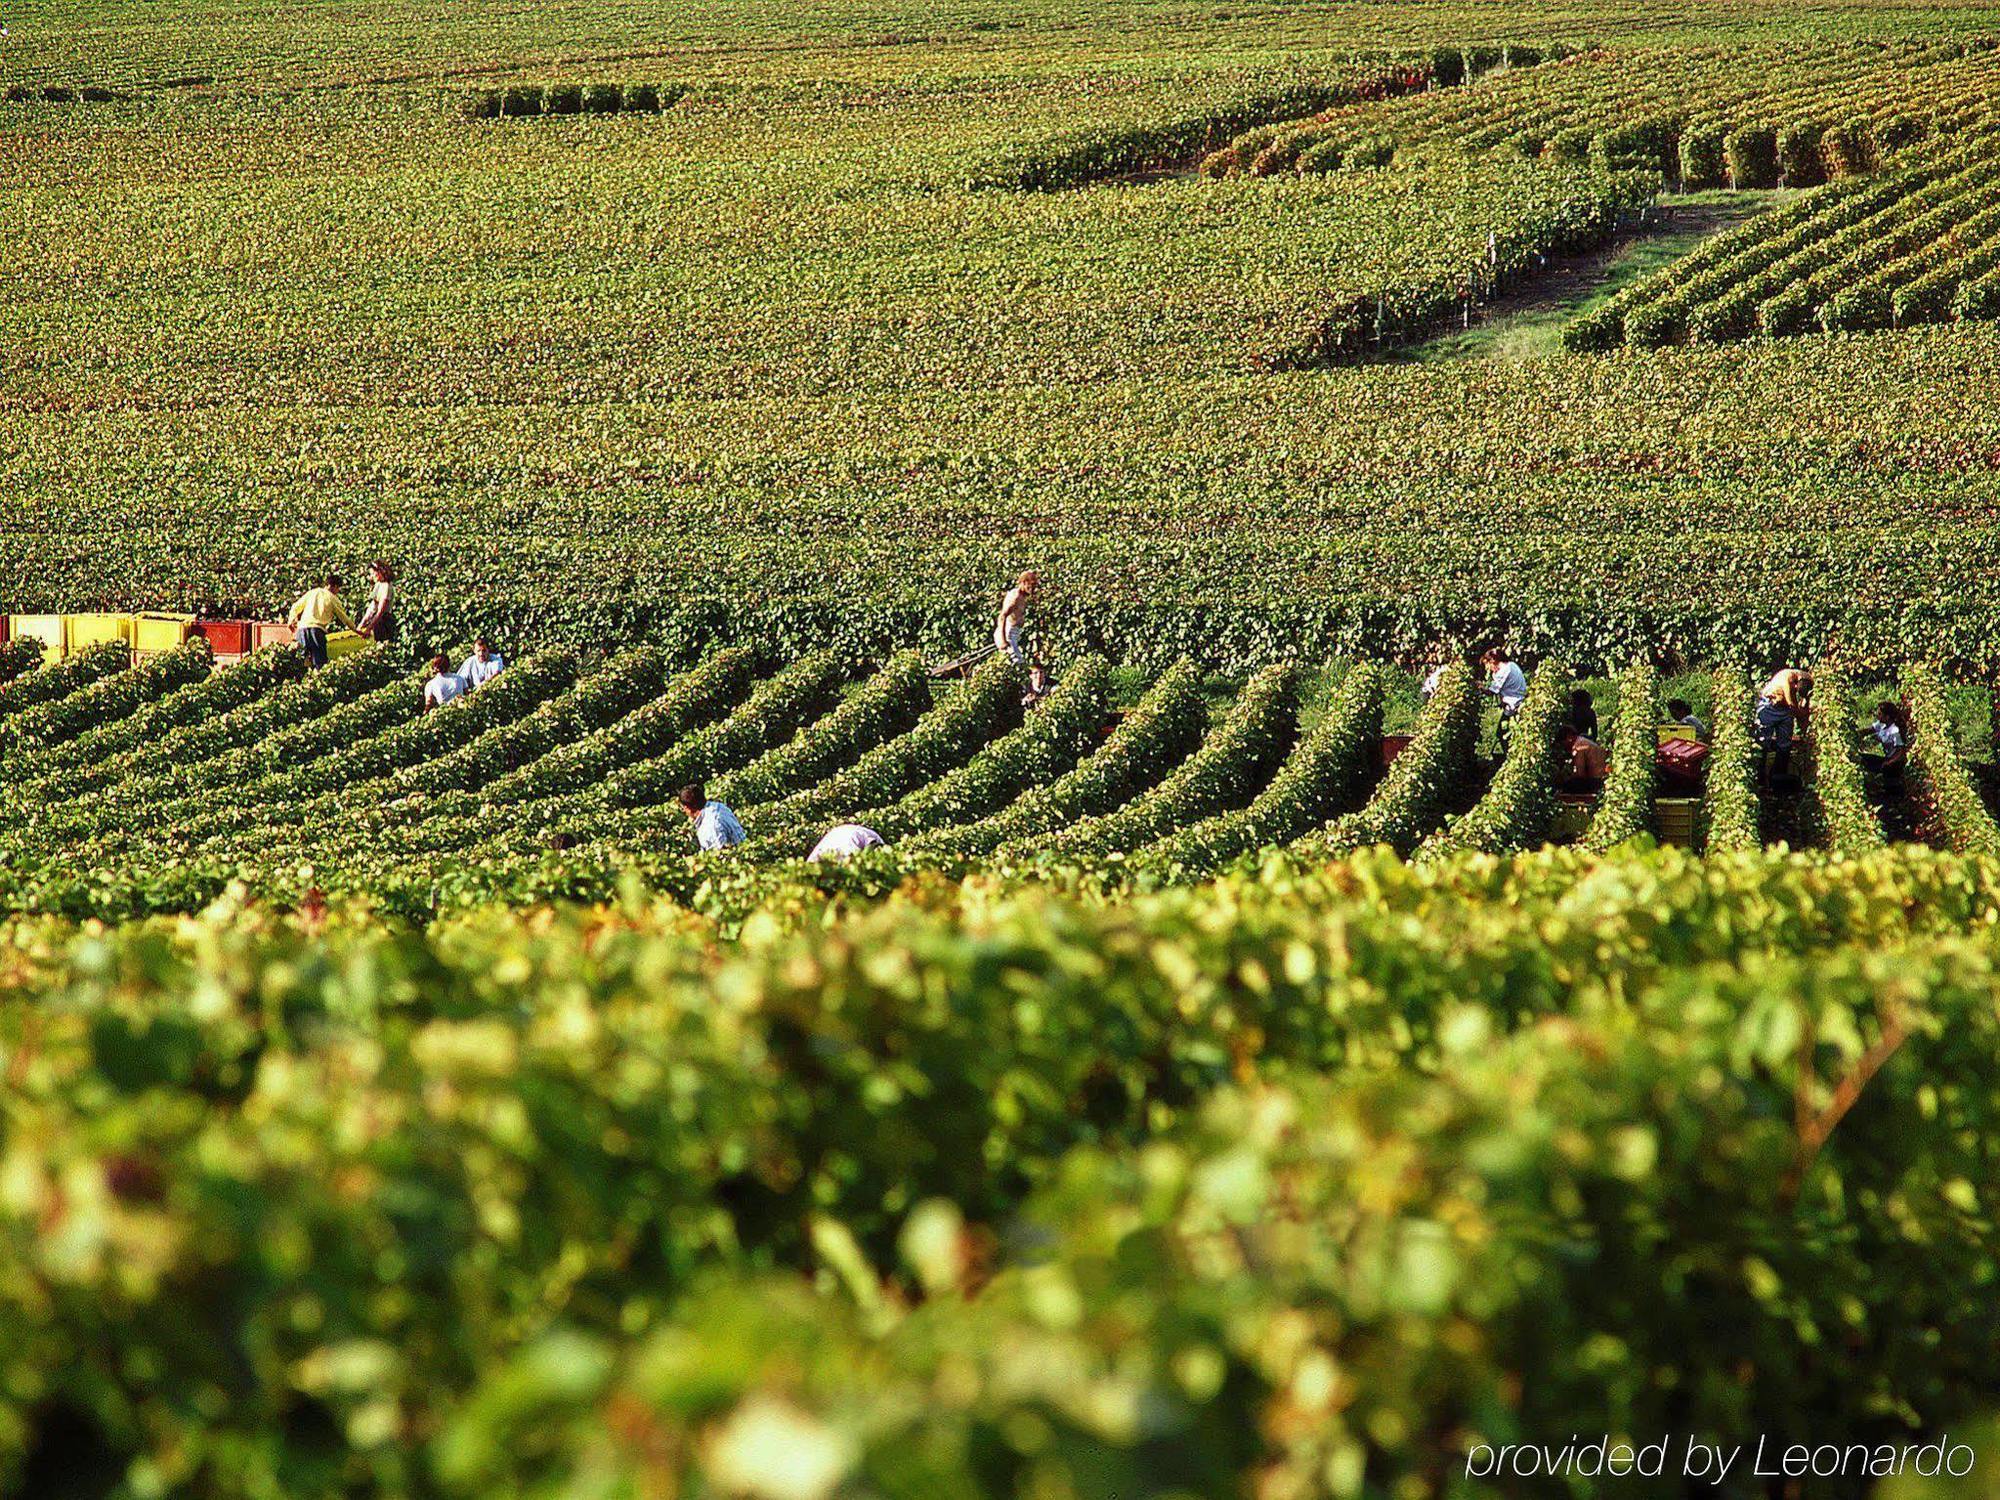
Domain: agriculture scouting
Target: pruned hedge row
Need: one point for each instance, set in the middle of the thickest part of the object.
(1160, 731)
(113, 748)
(1230, 768)
(1073, 158)
(954, 729)
(61, 93)
(657, 716)
(51, 684)
(19, 657)
(524, 100)
(1951, 813)
(110, 700)
(556, 779)
(1059, 732)
(775, 710)
(1520, 801)
(1626, 809)
(1730, 818)
(1593, 206)
(1915, 246)
(1846, 824)
(881, 708)
(1327, 773)
(1414, 794)
(1778, 116)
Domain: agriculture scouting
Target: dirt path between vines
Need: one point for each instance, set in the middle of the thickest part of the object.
(1526, 320)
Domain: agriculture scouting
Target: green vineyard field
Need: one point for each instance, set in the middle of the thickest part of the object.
(157, 786)
(1231, 1056)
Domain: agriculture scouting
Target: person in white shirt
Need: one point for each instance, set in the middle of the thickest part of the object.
(1892, 732)
(444, 685)
(844, 841)
(715, 826)
(483, 665)
(1431, 683)
(1506, 681)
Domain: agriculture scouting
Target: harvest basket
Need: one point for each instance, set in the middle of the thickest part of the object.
(81, 632)
(344, 643)
(156, 633)
(1676, 819)
(228, 637)
(48, 629)
(272, 635)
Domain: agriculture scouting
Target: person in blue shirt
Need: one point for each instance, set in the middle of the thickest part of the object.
(483, 665)
(1506, 681)
(715, 826)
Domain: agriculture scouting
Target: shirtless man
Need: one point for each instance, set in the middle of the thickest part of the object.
(1010, 630)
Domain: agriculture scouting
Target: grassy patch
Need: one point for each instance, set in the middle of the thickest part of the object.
(1528, 322)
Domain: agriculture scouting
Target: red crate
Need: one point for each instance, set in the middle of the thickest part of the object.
(226, 637)
(1394, 745)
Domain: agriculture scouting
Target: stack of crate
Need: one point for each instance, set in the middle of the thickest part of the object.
(150, 633)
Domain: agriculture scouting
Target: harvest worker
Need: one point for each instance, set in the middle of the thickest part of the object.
(1784, 704)
(1583, 714)
(316, 610)
(1437, 658)
(715, 826)
(1680, 711)
(378, 620)
(1010, 631)
(844, 841)
(1587, 762)
(483, 665)
(1892, 732)
(1506, 681)
(444, 685)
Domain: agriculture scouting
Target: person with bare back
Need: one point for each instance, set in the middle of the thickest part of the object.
(1010, 631)
(1010, 636)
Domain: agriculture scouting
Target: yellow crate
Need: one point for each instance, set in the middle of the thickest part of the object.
(345, 643)
(160, 631)
(1676, 819)
(81, 632)
(48, 629)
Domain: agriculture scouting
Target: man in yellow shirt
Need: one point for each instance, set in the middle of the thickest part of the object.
(317, 611)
